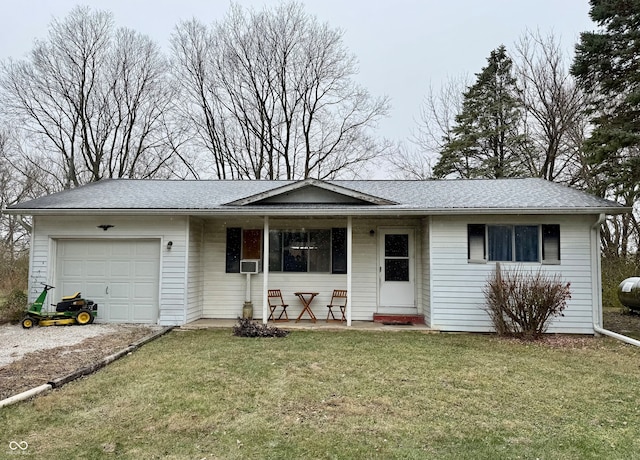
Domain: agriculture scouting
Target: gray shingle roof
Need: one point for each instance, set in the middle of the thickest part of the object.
(407, 197)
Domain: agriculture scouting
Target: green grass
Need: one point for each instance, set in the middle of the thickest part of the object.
(352, 394)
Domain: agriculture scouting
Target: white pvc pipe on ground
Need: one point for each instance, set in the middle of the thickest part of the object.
(25, 395)
(615, 335)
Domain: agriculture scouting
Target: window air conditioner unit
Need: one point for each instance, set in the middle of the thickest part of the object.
(249, 266)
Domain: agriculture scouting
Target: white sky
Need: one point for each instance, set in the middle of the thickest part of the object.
(403, 46)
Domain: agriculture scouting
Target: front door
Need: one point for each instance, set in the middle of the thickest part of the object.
(396, 270)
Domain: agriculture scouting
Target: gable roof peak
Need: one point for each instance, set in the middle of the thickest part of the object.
(314, 191)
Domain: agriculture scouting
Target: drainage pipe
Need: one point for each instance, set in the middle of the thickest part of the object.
(25, 395)
(596, 271)
(615, 335)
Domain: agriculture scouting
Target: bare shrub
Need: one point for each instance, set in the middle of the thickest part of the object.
(13, 307)
(247, 328)
(522, 304)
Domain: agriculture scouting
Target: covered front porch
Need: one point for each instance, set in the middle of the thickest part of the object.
(380, 262)
(209, 323)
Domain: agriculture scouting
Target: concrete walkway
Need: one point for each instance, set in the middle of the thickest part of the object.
(309, 325)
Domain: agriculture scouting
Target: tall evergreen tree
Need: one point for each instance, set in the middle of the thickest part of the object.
(486, 139)
(607, 66)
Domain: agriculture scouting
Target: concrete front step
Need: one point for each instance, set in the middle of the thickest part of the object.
(397, 318)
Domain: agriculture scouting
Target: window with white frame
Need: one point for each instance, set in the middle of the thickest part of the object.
(317, 251)
(513, 243)
(320, 251)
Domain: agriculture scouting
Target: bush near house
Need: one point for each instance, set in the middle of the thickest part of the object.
(248, 328)
(522, 304)
(13, 306)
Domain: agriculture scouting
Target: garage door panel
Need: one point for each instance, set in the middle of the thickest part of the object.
(120, 268)
(72, 268)
(118, 313)
(119, 291)
(121, 276)
(99, 249)
(66, 288)
(95, 268)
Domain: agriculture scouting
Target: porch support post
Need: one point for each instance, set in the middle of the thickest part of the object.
(349, 266)
(265, 270)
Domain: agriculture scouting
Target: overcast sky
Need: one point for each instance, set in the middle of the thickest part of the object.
(403, 46)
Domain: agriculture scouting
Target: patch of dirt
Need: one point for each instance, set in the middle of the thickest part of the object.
(40, 367)
(625, 323)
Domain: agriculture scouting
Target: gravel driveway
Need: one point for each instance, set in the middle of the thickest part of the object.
(15, 341)
(33, 357)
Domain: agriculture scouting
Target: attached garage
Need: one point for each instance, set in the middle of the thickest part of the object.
(120, 275)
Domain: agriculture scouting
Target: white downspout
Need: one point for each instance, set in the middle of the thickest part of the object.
(596, 273)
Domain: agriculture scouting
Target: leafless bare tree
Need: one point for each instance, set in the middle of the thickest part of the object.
(91, 99)
(270, 94)
(554, 108)
(433, 130)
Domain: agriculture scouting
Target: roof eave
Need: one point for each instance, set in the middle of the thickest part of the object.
(339, 211)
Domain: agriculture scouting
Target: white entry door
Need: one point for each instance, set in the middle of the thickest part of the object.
(121, 276)
(396, 270)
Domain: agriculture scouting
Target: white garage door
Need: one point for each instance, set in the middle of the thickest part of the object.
(121, 276)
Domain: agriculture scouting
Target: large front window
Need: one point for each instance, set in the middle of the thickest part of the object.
(295, 250)
(300, 251)
(514, 243)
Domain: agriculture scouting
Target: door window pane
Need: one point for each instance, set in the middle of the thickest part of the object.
(396, 270)
(396, 245)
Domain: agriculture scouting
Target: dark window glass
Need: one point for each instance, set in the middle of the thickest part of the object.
(319, 251)
(294, 251)
(234, 246)
(339, 250)
(500, 242)
(551, 243)
(526, 239)
(275, 251)
(396, 269)
(396, 245)
(251, 244)
(476, 247)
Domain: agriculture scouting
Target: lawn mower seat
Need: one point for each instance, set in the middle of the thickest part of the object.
(71, 303)
(71, 297)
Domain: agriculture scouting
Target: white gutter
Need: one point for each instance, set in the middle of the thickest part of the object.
(596, 272)
(347, 210)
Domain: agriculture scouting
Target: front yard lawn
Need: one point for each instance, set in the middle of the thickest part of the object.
(352, 394)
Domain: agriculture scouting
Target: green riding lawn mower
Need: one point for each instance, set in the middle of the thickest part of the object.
(71, 309)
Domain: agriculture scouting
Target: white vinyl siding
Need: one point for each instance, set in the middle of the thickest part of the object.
(457, 299)
(195, 278)
(426, 271)
(48, 230)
